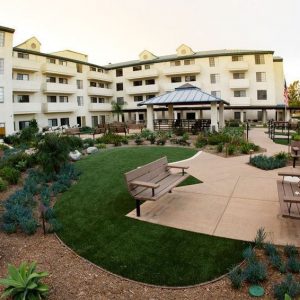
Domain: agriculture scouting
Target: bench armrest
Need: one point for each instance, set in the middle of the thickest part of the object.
(177, 167)
(292, 174)
(291, 199)
(145, 184)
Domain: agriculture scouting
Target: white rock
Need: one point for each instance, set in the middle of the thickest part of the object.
(75, 155)
(30, 151)
(91, 150)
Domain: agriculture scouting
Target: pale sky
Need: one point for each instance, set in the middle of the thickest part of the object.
(118, 30)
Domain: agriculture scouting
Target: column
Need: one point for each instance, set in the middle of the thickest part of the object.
(150, 117)
(214, 117)
(221, 115)
(287, 115)
(201, 114)
(155, 115)
(264, 116)
(170, 112)
(197, 114)
(242, 116)
(129, 117)
(136, 117)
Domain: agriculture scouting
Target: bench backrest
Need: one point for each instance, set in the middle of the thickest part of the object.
(72, 130)
(295, 144)
(148, 173)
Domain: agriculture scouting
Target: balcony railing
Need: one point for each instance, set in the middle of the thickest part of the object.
(238, 66)
(49, 68)
(57, 107)
(150, 73)
(98, 91)
(239, 83)
(240, 101)
(99, 107)
(58, 88)
(186, 69)
(25, 65)
(27, 108)
(28, 86)
(143, 89)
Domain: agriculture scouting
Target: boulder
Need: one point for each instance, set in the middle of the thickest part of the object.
(91, 150)
(75, 155)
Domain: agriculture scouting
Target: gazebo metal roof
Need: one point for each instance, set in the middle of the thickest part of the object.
(186, 94)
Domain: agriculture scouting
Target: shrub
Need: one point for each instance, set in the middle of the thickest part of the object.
(49, 213)
(89, 142)
(293, 264)
(3, 147)
(236, 277)
(152, 138)
(145, 133)
(260, 237)
(270, 249)
(233, 123)
(277, 263)
(72, 142)
(282, 155)
(12, 139)
(100, 146)
(290, 250)
(249, 254)
(85, 129)
(124, 140)
(245, 148)
(11, 175)
(138, 140)
(267, 163)
(9, 227)
(24, 283)
(231, 149)
(201, 141)
(109, 138)
(3, 185)
(220, 147)
(55, 225)
(287, 286)
(28, 225)
(255, 272)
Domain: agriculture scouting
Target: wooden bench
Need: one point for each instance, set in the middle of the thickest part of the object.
(152, 181)
(289, 199)
(295, 151)
(100, 129)
(118, 128)
(73, 131)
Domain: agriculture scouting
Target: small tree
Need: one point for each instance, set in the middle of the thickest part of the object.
(294, 94)
(117, 108)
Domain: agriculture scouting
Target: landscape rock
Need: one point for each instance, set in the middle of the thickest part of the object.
(75, 155)
(91, 150)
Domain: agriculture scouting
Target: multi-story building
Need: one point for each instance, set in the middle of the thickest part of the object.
(63, 88)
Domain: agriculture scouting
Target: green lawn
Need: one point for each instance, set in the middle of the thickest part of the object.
(281, 141)
(95, 226)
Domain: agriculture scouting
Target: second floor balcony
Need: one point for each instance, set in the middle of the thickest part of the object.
(27, 108)
(100, 107)
(142, 89)
(239, 83)
(240, 101)
(238, 66)
(58, 88)
(98, 91)
(59, 107)
(102, 76)
(27, 86)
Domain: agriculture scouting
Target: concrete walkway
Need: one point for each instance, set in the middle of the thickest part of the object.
(234, 200)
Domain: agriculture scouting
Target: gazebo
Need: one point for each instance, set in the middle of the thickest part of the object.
(187, 95)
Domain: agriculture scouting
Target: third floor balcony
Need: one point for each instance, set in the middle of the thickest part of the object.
(58, 88)
(26, 108)
(150, 73)
(98, 91)
(49, 68)
(185, 69)
(238, 66)
(142, 89)
(28, 86)
(59, 107)
(102, 76)
(239, 83)
(240, 101)
(28, 65)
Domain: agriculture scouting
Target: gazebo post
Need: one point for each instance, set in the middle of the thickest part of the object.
(150, 117)
(170, 112)
(221, 115)
(214, 116)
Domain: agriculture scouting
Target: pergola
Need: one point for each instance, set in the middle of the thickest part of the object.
(187, 95)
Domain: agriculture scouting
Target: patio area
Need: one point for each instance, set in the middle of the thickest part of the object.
(234, 200)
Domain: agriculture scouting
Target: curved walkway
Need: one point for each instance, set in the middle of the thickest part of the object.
(234, 200)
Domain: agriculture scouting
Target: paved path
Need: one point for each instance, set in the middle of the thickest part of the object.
(234, 200)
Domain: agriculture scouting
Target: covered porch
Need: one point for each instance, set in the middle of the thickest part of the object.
(191, 96)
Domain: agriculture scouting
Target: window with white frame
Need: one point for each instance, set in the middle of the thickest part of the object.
(212, 62)
(62, 62)
(22, 76)
(1, 94)
(239, 93)
(79, 84)
(190, 78)
(238, 75)
(136, 68)
(51, 99)
(22, 99)
(260, 76)
(52, 122)
(138, 98)
(94, 121)
(62, 80)
(259, 59)
(63, 99)
(216, 94)
(1, 65)
(189, 62)
(80, 100)
(51, 60)
(51, 79)
(147, 67)
(149, 81)
(237, 58)
(175, 79)
(262, 95)
(214, 78)
(175, 63)
(23, 55)
(2, 38)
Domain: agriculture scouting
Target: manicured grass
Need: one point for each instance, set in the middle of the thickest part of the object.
(281, 141)
(93, 214)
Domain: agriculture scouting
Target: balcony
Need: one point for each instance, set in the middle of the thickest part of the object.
(59, 107)
(99, 76)
(240, 101)
(99, 107)
(239, 83)
(178, 70)
(238, 66)
(143, 89)
(150, 73)
(58, 88)
(26, 108)
(172, 86)
(27, 86)
(97, 91)
(28, 65)
(48, 68)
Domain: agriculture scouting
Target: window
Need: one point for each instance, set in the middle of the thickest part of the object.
(237, 115)
(259, 59)
(137, 68)
(23, 124)
(79, 68)
(21, 76)
(94, 100)
(52, 122)
(93, 69)
(120, 100)
(147, 67)
(1, 94)
(51, 79)
(64, 121)
(214, 78)
(175, 79)
(260, 76)
(79, 84)
(175, 63)
(80, 101)
(51, 99)
(190, 78)
(23, 55)
(149, 96)
(138, 98)
(51, 60)
(119, 72)
(63, 80)
(101, 71)
(119, 86)
(1, 65)
(93, 83)
(216, 94)
(62, 62)
(2, 38)
(212, 62)
(94, 121)
(261, 95)
(150, 81)
(238, 75)
(22, 98)
(237, 58)
(239, 93)
(63, 99)
(101, 100)
(137, 82)
(189, 62)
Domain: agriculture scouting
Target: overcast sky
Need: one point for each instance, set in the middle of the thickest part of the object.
(118, 30)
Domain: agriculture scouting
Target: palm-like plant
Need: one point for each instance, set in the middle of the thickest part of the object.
(117, 108)
(23, 283)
